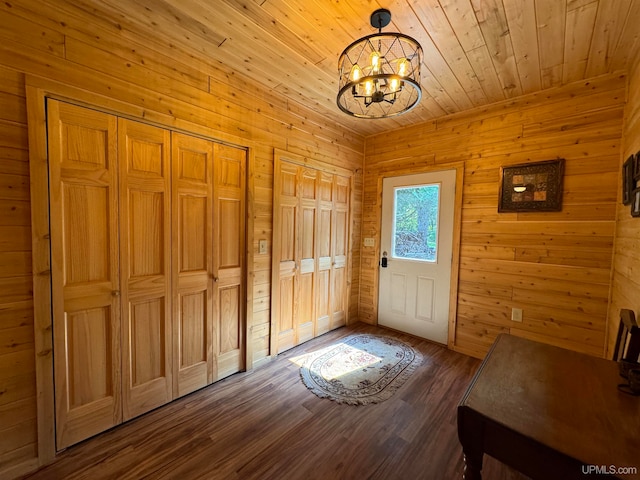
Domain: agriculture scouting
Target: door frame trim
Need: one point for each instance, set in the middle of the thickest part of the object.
(38, 90)
(457, 224)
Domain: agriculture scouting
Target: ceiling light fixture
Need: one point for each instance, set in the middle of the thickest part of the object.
(380, 73)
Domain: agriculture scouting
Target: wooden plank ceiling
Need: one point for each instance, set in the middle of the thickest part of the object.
(476, 52)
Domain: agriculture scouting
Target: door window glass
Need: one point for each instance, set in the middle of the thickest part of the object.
(415, 225)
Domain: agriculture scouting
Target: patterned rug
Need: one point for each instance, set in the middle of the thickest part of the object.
(360, 369)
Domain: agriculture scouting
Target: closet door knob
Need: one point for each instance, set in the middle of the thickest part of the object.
(115, 293)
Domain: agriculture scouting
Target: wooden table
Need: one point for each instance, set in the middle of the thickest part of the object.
(550, 413)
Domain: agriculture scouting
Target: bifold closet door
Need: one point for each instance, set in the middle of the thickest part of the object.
(192, 263)
(311, 234)
(307, 253)
(340, 251)
(83, 199)
(145, 266)
(333, 245)
(325, 248)
(285, 248)
(229, 213)
(209, 238)
(148, 266)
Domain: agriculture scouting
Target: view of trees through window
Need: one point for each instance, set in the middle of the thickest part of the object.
(416, 222)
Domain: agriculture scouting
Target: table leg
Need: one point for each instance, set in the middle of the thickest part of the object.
(472, 466)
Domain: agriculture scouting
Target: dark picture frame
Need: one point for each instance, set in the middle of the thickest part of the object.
(628, 182)
(636, 167)
(635, 203)
(531, 187)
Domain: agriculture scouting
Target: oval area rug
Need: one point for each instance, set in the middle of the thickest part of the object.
(360, 369)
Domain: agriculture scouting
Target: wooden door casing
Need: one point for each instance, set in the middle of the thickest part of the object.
(145, 253)
(83, 168)
(192, 279)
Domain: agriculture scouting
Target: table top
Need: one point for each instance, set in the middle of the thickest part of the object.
(565, 400)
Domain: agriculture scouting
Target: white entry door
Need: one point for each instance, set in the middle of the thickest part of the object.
(416, 247)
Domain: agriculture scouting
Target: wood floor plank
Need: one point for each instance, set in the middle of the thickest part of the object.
(266, 424)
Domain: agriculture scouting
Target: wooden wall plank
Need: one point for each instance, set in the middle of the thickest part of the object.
(550, 16)
(610, 19)
(521, 17)
(13, 135)
(21, 30)
(495, 29)
(444, 37)
(16, 314)
(15, 438)
(580, 25)
(14, 212)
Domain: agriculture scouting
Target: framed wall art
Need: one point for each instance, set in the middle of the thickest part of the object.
(531, 187)
(636, 166)
(635, 203)
(628, 182)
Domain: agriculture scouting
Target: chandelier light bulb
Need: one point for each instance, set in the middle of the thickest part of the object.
(403, 67)
(356, 73)
(375, 62)
(394, 85)
(368, 88)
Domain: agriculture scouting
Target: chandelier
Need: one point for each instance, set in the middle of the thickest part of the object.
(380, 73)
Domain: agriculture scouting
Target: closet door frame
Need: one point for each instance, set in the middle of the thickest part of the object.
(38, 91)
(280, 157)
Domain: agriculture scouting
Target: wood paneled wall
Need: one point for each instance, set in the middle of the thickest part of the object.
(625, 282)
(17, 354)
(157, 82)
(554, 266)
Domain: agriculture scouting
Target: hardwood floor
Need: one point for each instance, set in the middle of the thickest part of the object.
(265, 424)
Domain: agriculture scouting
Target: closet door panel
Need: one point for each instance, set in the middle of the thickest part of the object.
(84, 269)
(285, 245)
(340, 248)
(147, 340)
(230, 235)
(308, 247)
(230, 358)
(144, 153)
(229, 259)
(192, 203)
(325, 230)
(323, 308)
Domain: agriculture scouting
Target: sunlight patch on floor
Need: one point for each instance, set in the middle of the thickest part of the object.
(348, 360)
